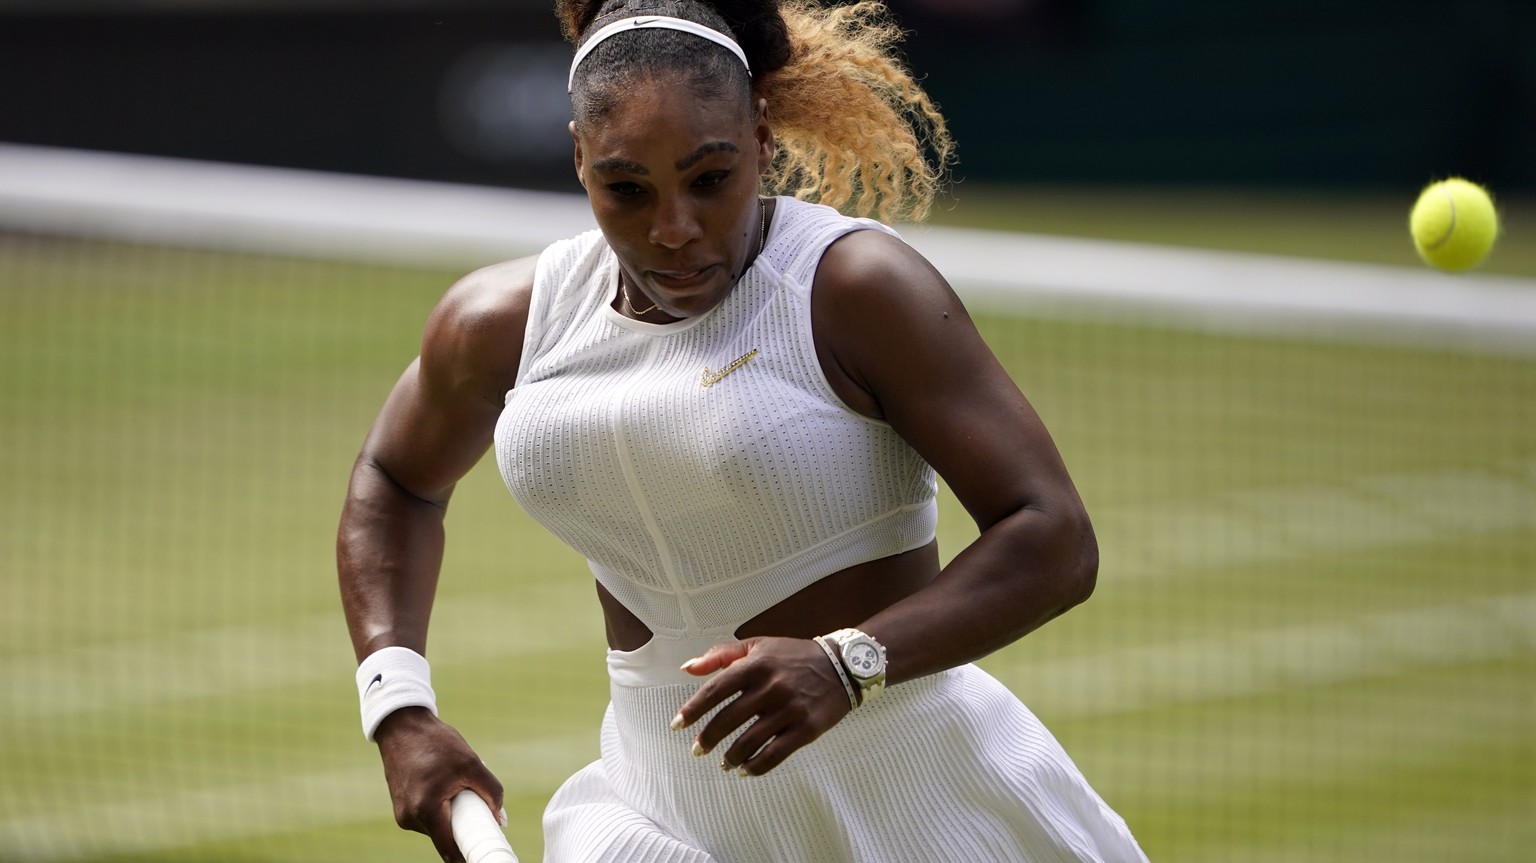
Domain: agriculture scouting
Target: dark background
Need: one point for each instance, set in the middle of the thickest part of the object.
(1361, 94)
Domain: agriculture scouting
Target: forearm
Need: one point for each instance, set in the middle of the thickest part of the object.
(1021, 572)
(389, 551)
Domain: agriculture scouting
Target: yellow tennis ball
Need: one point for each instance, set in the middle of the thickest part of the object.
(1454, 224)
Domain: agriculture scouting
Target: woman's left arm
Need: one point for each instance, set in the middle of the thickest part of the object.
(898, 345)
(891, 331)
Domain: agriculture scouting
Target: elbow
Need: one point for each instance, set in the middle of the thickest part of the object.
(1080, 559)
(1088, 564)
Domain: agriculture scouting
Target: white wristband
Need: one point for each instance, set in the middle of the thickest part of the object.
(392, 678)
(837, 665)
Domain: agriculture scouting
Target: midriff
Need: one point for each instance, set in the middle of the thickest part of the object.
(844, 598)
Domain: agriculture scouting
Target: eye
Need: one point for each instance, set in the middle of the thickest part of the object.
(711, 179)
(625, 190)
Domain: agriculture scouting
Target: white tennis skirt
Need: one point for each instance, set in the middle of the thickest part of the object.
(950, 767)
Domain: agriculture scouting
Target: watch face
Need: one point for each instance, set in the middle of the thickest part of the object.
(863, 659)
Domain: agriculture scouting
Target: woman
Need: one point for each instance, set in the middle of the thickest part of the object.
(734, 407)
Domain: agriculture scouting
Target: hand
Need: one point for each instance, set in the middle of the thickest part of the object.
(787, 683)
(426, 762)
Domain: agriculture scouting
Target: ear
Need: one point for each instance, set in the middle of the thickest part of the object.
(576, 140)
(762, 133)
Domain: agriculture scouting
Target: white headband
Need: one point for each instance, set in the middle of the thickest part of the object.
(649, 22)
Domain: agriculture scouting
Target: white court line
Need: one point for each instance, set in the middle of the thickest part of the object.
(178, 202)
(1233, 291)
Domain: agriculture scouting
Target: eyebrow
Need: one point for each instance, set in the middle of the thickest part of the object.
(691, 159)
(620, 166)
(625, 166)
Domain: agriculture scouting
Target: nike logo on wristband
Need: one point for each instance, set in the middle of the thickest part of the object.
(378, 680)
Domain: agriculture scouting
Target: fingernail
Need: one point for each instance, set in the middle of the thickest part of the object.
(743, 772)
(678, 721)
(698, 748)
(690, 663)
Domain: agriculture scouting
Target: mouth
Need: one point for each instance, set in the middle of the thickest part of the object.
(682, 279)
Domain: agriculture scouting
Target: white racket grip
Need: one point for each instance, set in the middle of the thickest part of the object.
(475, 830)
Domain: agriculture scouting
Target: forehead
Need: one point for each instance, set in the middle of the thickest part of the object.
(665, 120)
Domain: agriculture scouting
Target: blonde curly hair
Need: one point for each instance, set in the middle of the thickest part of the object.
(855, 129)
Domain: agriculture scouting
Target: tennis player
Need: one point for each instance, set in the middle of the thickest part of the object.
(734, 406)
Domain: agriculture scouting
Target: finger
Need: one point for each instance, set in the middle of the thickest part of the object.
(490, 789)
(710, 695)
(717, 657)
(732, 717)
(773, 753)
(491, 803)
(752, 739)
(438, 826)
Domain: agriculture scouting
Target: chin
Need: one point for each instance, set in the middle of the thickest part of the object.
(691, 300)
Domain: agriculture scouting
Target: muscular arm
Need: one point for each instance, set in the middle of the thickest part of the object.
(435, 425)
(900, 346)
(897, 344)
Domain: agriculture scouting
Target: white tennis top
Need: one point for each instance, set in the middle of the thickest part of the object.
(705, 468)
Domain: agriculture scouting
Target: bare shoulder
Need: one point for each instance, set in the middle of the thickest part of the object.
(474, 338)
(889, 323)
(873, 266)
(488, 296)
(878, 306)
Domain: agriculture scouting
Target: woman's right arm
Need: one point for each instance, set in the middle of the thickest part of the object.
(436, 424)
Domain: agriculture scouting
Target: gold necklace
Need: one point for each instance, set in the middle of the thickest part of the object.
(762, 227)
(624, 289)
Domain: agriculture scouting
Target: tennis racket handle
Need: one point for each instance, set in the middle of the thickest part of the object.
(475, 830)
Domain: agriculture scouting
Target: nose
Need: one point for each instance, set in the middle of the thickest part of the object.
(675, 224)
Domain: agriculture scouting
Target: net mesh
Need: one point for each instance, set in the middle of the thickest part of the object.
(1313, 636)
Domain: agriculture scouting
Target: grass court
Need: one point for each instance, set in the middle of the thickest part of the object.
(1314, 636)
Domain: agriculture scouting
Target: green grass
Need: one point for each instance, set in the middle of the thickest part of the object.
(1311, 639)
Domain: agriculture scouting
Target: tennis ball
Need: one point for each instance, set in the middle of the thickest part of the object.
(1454, 225)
